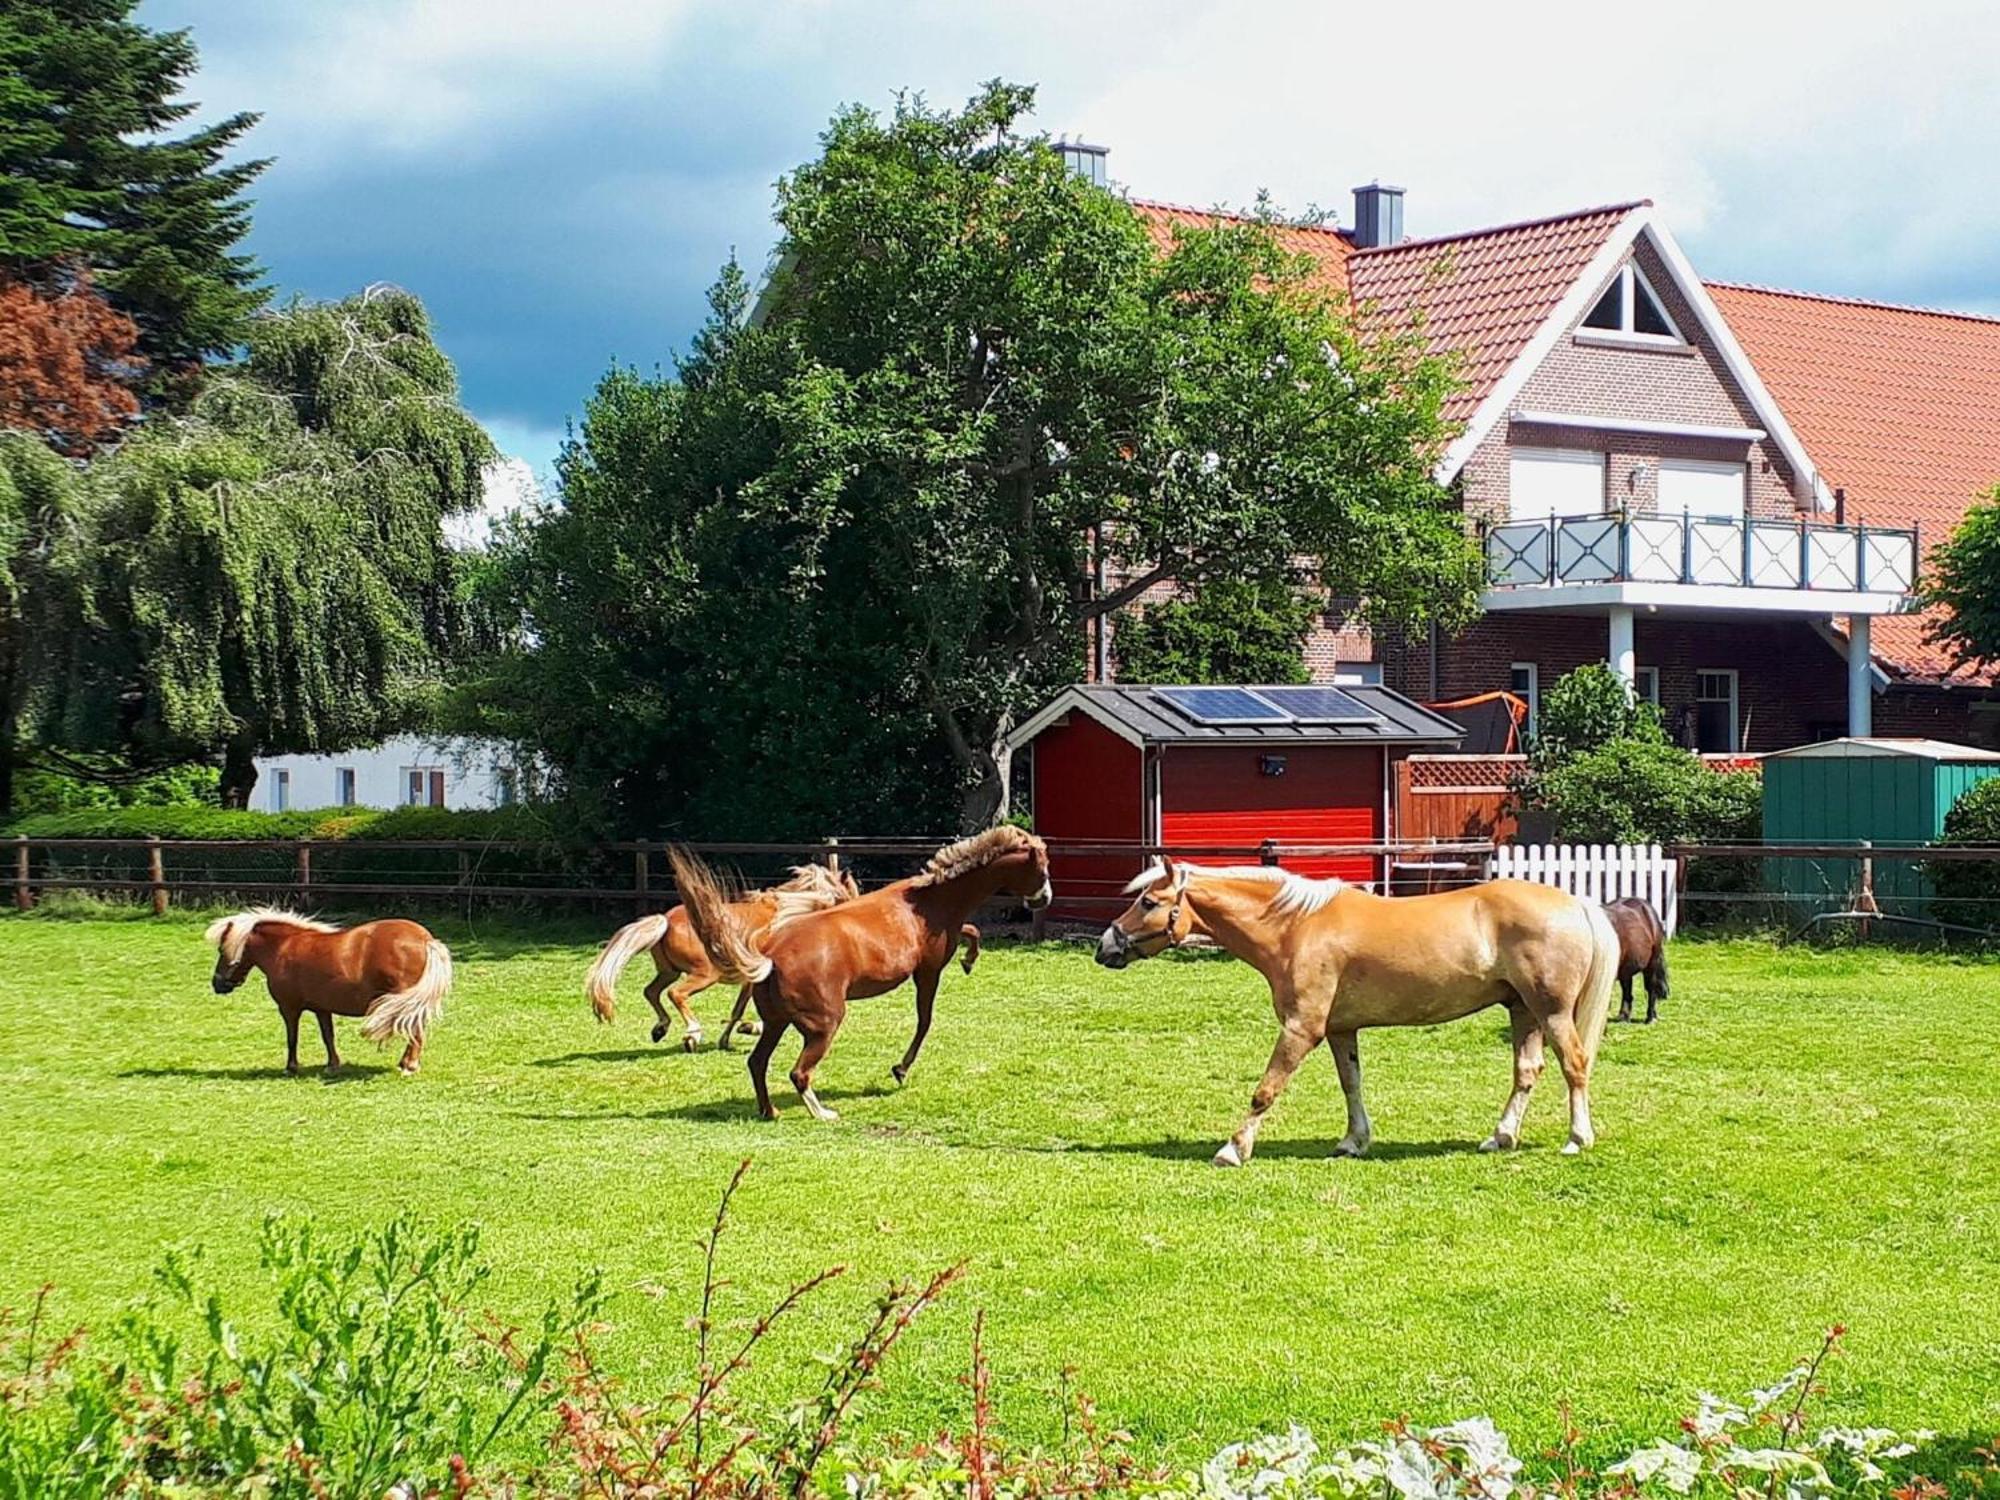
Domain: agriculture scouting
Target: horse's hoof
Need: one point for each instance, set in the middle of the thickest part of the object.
(1352, 1148)
(691, 1042)
(899, 1072)
(1572, 1147)
(750, 1028)
(1498, 1142)
(1227, 1156)
(660, 1032)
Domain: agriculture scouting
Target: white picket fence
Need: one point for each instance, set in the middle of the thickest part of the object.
(1597, 872)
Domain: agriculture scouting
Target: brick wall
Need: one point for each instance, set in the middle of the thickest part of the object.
(1654, 383)
(1791, 682)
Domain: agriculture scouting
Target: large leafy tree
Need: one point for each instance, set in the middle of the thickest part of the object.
(861, 531)
(94, 169)
(1225, 631)
(1964, 584)
(267, 573)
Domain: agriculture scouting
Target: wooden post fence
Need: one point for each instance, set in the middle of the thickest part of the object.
(642, 873)
(24, 897)
(156, 873)
(305, 867)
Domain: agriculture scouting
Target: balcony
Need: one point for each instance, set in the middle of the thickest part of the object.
(1724, 561)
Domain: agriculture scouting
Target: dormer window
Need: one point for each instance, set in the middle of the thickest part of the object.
(1630, 308)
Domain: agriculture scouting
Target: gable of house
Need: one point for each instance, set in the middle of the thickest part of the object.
(1900, 409)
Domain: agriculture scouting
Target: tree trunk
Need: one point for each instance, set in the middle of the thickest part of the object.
(986, 801)
(6, 772)
(239, 774)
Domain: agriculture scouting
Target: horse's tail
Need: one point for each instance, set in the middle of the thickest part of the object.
(1656, 971)
(1593, 1005)
(722, 933)
(411, 1012)
(600, 985)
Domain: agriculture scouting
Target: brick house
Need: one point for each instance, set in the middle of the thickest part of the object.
(1719, 490)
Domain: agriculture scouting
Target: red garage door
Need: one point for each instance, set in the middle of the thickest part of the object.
(1327, 795)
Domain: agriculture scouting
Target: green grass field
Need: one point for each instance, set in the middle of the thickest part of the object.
(1808, 1137)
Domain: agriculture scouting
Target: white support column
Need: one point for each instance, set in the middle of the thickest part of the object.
(1620, 653)
(1860, 690)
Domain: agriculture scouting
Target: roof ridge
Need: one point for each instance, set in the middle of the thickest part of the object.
(1509, 228)
(1241, 218)
(1843, 301)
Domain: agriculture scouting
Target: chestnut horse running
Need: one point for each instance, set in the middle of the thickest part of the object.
(1339, 959)
(682, 966)
(804, 973)
(394, 973)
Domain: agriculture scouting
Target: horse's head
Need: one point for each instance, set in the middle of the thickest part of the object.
(231, 937)
(1028, 874)
(1158, 919)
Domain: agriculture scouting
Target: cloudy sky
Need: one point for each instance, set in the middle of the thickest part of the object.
(560, 179)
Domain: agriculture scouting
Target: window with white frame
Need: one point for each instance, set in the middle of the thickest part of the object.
(1630, 308)
(1715, 711)
(1646, 684)
(1544, 482)
(1524, 681)
(281, 791)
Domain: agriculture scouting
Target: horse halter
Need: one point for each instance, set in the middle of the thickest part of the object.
(1175, 937)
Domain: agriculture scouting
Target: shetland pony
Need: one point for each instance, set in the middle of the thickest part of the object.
(1339, 959)
(1642, 949)
(394, 973)
(803, 973)
(682, 966)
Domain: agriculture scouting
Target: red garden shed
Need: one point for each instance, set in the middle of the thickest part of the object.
(1217, 766)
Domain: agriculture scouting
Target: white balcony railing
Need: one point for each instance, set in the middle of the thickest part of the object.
(1621, 547)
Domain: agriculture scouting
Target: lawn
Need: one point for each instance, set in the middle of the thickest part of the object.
(1807, 1137)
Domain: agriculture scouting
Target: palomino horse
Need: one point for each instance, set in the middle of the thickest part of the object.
(1339, 959)
(394, 973)
(682, 965)
(1642, 949)
(805, 972)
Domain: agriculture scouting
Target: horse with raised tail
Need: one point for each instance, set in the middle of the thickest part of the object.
(804, 973)
(682, 967)
(394, 973)
(1339, 959)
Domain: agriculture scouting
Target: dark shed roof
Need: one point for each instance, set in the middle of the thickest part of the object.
(1131, 711)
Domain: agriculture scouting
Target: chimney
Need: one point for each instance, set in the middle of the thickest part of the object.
(1088, 162)
(1378, 216)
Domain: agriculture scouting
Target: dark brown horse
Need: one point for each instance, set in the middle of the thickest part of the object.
(1642, 949)
(394, 973)
(806, 971)
(681, 965)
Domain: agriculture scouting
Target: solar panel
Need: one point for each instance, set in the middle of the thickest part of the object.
(1221, 705)
(1320, 705)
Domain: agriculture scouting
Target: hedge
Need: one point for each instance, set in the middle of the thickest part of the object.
(530, 822)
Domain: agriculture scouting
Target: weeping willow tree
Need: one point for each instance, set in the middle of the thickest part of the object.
(270, 571)
(44, 585)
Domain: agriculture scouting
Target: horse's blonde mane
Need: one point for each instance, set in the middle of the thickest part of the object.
(231, 933)
(954, 860)
(1294, 893)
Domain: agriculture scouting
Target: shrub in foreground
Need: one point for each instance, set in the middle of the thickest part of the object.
(377, 1381)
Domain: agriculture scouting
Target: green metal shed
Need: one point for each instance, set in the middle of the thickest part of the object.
(1887, 791)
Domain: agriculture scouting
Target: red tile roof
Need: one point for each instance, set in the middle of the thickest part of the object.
(1898, 406)
(1325, 244)
(1482, 295)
